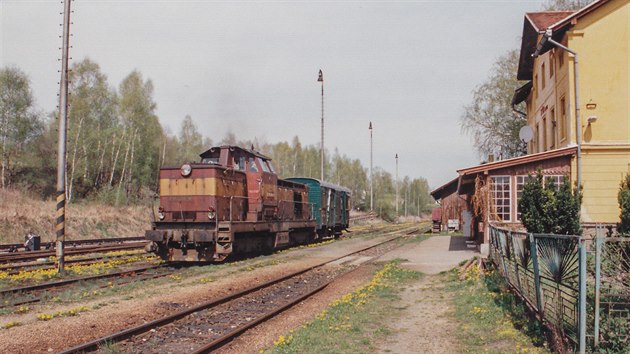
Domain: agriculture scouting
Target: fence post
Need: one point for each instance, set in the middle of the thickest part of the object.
(598, 279)
(582, 286)
(534, 251)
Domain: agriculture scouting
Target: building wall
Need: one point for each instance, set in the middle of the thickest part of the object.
(602, 40)
(452, 207)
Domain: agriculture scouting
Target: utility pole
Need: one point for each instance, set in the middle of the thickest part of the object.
(396, 185)
(320, 78)
(406, 200)
(60, 220)
(371, 176)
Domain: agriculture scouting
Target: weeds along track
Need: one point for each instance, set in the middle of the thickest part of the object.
(36, 293)
(208, 326)
(49, 263)
(35, 255)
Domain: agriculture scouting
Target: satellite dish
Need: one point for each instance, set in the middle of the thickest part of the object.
(526, 134)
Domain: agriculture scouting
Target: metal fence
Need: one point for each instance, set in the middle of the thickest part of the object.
(578, 286)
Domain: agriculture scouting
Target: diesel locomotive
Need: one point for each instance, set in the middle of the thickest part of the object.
(232, 202)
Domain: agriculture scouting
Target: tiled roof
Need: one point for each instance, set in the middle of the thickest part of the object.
(542, 20)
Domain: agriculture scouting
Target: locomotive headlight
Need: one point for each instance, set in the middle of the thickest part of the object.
(161, 213)
(211, 213)
(186, 170)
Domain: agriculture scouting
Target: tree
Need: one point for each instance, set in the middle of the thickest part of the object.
(623, 197)
(489, 119)
(19, 123)
(565, 5)
(92, 125)
(141, 136)
(190, 140)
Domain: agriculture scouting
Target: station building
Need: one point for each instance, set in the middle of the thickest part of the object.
(576, 66)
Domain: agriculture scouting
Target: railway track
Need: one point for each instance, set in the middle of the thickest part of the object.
(10, 247)
(34, 293)
(49, 263)
(35, 255)
(208, 326)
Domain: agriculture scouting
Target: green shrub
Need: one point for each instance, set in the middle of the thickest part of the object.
(550, 209)
(623, 197)
(536, 204)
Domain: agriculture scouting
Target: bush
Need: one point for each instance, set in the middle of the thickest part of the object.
(623, 197)
(550, 209)
(536, 205)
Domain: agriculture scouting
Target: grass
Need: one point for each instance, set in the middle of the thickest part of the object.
(491, 319)
(352, 323)
(488, 317)
(20, 214)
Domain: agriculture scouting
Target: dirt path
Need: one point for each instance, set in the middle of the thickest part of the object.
(423, 324)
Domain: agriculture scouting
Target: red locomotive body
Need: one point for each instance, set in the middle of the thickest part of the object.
(230, 202)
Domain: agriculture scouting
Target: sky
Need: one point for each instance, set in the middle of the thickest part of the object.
(250, 67)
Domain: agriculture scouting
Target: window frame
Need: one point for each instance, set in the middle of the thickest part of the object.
(505, 188)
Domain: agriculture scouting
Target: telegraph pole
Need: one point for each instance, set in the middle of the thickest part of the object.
(60, 221)
(396, 185)
(371, 176)
(320, 78)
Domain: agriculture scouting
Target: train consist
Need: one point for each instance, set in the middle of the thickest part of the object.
(232, 202)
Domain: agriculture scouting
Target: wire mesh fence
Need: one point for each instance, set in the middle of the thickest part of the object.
(577, 286)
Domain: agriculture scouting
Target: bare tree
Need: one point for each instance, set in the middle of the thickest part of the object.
(489, 118)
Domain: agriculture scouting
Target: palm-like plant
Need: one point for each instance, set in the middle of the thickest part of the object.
(558, 258)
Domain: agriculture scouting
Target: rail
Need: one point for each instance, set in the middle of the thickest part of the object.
(130, 332)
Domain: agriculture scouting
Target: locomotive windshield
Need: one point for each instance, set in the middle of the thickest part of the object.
(211, 157)
(210, 160)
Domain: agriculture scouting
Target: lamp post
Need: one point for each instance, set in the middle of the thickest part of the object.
(396, 185)
(320, 78)
(371, 176)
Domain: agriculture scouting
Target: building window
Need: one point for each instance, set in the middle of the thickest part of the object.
(563, 119)
(552, 62)
(538, 138)
(544, 133)
(520, 184)
(561, 59)
(500, 194)
(542, 76)
(553, 129)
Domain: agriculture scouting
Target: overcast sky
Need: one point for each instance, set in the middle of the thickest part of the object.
(251, 67)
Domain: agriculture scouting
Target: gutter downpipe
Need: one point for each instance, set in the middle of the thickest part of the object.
(578, 136)
(578, 124)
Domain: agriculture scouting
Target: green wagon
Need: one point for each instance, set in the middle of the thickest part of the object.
(330, 203)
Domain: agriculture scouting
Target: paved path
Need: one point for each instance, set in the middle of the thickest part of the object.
(435, 255)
